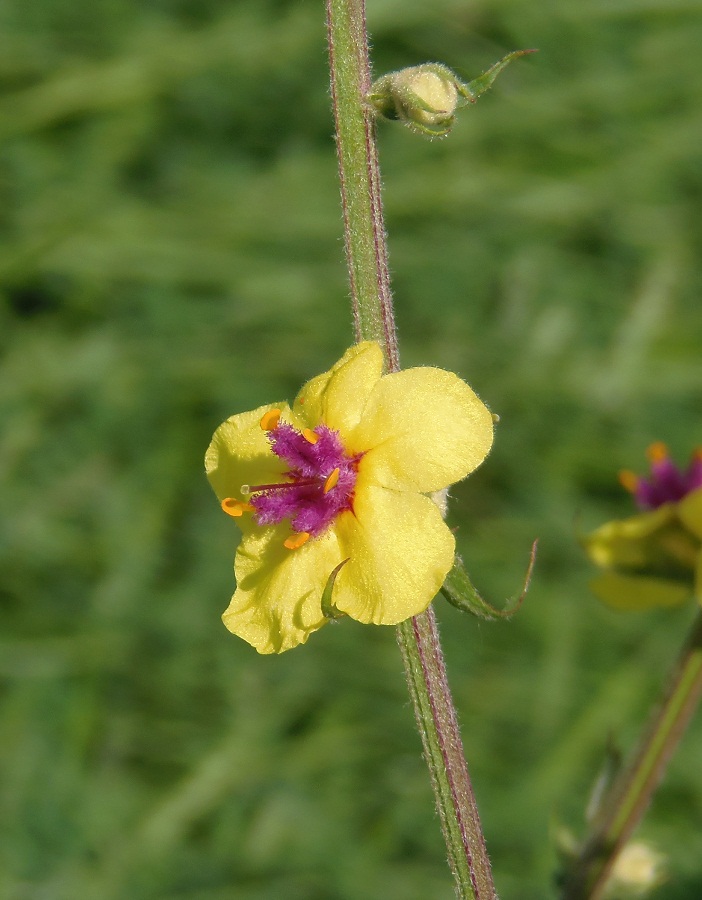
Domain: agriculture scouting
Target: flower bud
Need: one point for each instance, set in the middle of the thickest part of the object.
(638, 869)
(426, 97)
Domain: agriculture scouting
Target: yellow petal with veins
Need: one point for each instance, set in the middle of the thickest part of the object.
(240, 453)
(424, 429)
(399, 549)
(337, 397)
(631, 592)
(278, 600)
(625, 543)
(690, 512)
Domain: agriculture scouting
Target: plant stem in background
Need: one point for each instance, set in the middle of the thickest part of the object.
(632, 791)
(366, 252)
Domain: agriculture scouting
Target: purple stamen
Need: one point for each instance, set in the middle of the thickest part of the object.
(303, 500)
(667, 483)
(257, 488)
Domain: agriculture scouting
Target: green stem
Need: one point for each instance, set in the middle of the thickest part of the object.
(366, 252)
(633, 789)
(443, 750)
(359, 176)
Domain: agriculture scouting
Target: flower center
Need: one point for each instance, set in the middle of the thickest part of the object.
(320, 481)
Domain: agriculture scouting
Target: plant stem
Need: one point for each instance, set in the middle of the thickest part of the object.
(632, 791)
(366, 252)
(443, 750)
(359, 176)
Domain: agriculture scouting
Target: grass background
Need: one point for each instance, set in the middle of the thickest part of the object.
(171, 254)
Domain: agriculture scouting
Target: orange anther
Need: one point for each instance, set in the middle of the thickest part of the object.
(235, 508)
(296, 540)
(310, 436)
(657, 452)
(270, 420)
(629, 480)
(331, 481)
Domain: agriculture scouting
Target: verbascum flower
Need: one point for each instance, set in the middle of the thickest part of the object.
(341, 478)
(653, 559)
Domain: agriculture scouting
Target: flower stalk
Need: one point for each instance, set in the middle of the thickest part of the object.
(632, 791)
(366, 252)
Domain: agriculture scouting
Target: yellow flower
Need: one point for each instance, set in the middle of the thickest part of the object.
(653, 559)
(343, 475)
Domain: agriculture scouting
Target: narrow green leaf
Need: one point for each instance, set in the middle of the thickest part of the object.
(460, 592)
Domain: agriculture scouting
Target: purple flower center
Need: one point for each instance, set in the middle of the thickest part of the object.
(667, 482)
(322, 478)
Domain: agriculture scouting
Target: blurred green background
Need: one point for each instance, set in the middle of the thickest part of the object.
(171, 254)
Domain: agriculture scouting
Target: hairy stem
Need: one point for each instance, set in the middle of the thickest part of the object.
(366, 252)
(443, 749)
(359, 176)
(632, 791)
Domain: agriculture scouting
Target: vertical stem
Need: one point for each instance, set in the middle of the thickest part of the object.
(366, 252)
(633, 789)
(443, 750)
(359, 176)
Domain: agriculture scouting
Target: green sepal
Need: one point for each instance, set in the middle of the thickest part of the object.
(381, 99)
(328, 609)
(484, 82)
(460, 592)
(432, 130)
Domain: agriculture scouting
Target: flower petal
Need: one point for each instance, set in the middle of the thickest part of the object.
(690, 512)
(624, 543)
(633, 592)
(277, 603)
(240, 453)
(424, 429)
(338, 397)
(399, 550)
(654, 544)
